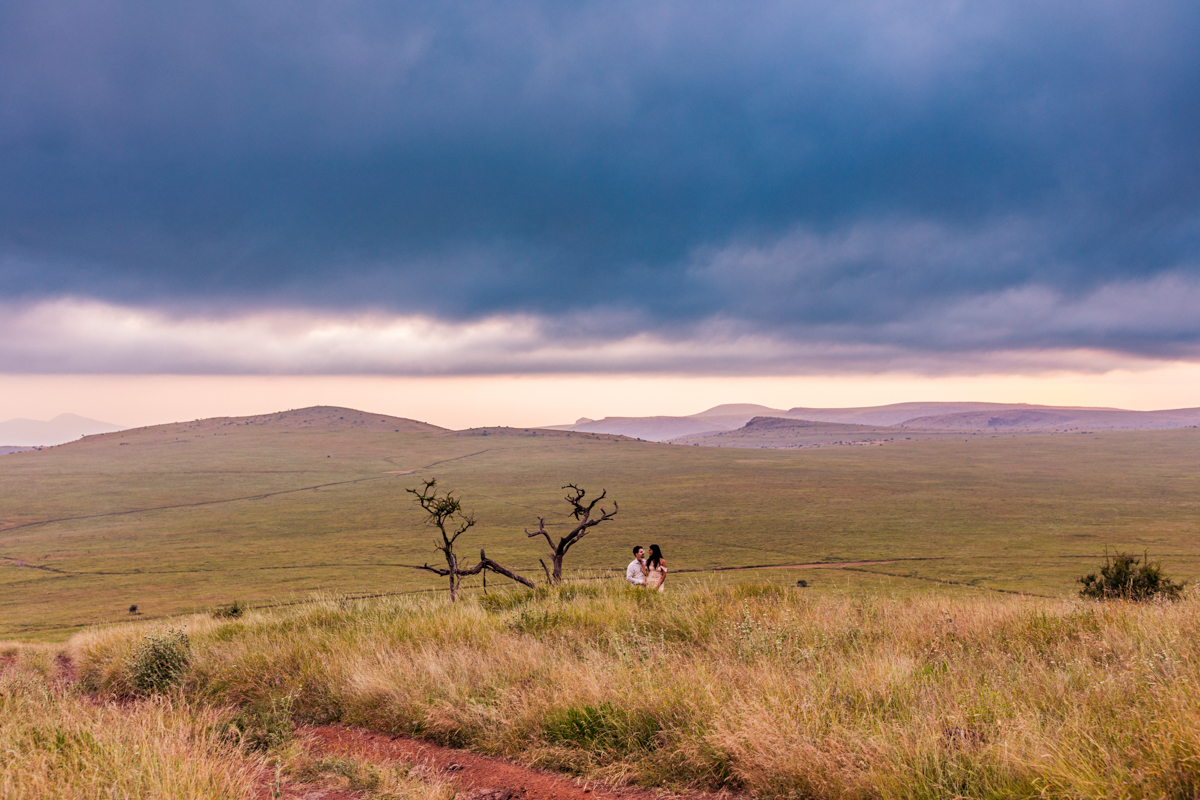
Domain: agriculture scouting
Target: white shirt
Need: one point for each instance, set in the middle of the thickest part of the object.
(635, 574)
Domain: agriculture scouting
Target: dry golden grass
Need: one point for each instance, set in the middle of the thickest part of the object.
(58, 743)
(762, 688)
(54, 744)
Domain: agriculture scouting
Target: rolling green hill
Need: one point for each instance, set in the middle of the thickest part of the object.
(185, 516)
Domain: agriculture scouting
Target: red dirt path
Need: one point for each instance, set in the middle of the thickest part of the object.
(481, 777)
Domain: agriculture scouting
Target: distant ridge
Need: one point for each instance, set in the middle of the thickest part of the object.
(1048, 418)
(965, 416)
(314, 417)
(782, 432)
(894, 414)
(24, 433)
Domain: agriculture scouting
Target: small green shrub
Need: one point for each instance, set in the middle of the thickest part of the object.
(1121, 578)
(232, 611)
(159, 662)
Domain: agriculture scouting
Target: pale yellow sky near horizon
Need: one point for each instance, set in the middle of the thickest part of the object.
(527, 401)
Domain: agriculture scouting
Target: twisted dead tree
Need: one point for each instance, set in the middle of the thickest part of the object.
(444, 512)
(584, 524)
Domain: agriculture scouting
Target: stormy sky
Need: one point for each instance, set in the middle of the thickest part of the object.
(652, 186)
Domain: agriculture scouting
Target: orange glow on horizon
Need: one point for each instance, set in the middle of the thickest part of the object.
(528, 401)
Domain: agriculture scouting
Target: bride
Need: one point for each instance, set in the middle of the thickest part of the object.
(656, 569)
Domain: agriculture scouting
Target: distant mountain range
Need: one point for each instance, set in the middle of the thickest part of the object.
(727, 423)
(923, 416)
(17, 433)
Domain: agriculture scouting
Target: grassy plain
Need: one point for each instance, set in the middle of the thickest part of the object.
(775, 691)
(183, 517)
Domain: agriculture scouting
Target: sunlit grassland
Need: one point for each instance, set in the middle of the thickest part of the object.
(1025, 514)
(772, 690)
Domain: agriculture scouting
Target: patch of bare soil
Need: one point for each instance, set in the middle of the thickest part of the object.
(267, 790)
(481, 777)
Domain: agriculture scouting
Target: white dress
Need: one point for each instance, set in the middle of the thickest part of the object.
(656, 576)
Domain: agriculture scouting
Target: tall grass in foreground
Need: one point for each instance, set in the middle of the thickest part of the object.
(761, 688)
(55, 744)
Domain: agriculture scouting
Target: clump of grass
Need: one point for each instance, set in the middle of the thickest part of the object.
(387, 781)
(233, 610)
(264, 725)
(159, 662)
(1125, 577)
(605, 725)
(515, 598)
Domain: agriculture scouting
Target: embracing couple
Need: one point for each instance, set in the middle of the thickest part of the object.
(649, 572)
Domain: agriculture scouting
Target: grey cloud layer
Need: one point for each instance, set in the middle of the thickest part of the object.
(909, 178)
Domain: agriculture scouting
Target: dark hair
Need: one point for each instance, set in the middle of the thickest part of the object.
(655, 556)
(636, 547)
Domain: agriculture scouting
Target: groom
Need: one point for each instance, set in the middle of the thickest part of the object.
(635, 573)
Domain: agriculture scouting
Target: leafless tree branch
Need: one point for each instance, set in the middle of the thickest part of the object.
(585, 522)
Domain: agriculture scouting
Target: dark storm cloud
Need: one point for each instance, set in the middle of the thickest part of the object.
(858, 173)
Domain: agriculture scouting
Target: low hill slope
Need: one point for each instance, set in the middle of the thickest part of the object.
(323, 418)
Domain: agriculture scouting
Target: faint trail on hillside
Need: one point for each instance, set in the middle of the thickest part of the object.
(212, 502)
(190, 505)
(820, 564)
(950, 583)
(456, 458)
(21, 563)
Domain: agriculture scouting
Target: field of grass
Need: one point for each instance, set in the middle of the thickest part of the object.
(184, 517)
(57, 742)
(770, 690)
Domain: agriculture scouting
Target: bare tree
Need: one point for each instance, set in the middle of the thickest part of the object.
(584, 523)
(445, 513)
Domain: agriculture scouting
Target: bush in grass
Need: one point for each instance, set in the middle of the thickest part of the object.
(232, 611)
(1125, 577)
(159, 662)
